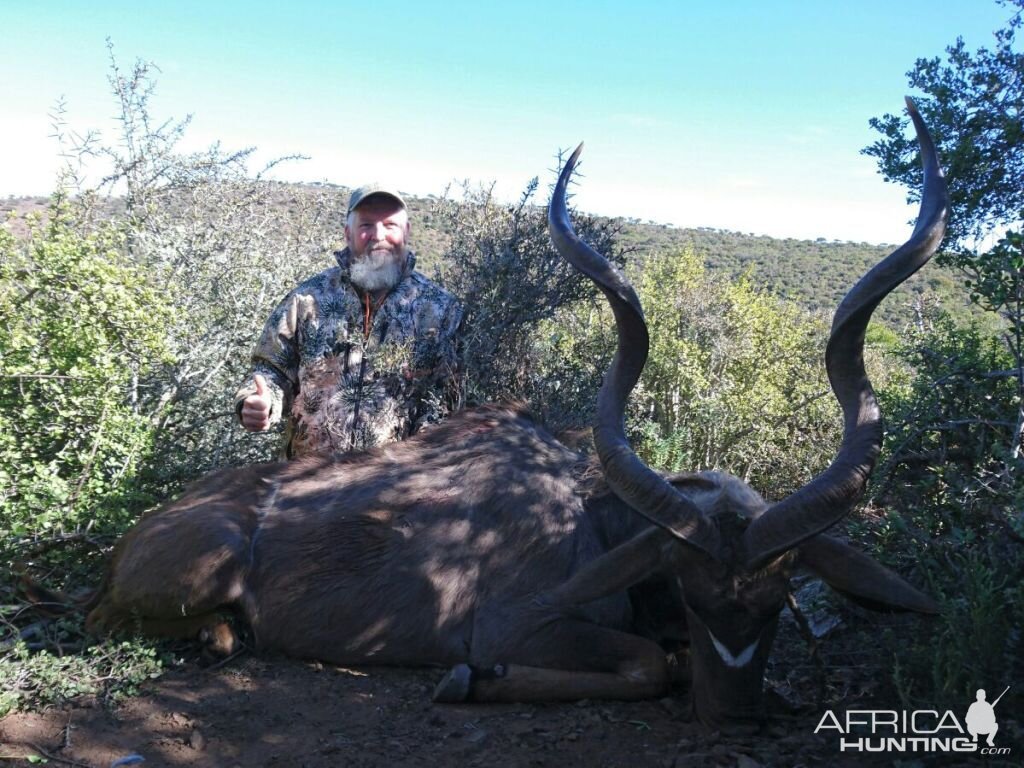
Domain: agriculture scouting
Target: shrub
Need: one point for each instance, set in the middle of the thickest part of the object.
(83, 328)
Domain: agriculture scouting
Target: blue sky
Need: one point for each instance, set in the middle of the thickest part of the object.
(740, 115)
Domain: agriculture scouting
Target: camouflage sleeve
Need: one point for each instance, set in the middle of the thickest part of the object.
(440, 390)
(450, 350)
(276, 358)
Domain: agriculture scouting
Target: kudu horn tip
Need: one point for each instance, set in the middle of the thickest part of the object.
(570, 164)
(929, 157)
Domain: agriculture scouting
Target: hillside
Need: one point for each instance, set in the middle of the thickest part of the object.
(814, 274)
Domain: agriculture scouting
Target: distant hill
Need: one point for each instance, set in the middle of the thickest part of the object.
(814, 274)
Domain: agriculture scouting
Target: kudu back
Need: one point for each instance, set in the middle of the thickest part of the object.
(483, 544)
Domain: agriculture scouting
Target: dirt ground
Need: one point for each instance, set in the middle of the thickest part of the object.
(282, 712)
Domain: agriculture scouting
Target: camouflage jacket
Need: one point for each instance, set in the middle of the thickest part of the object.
(351, 375)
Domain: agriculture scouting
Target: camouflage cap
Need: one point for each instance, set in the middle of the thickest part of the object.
(372, 190)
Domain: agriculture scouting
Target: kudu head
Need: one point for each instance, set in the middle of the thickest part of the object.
(731, 552)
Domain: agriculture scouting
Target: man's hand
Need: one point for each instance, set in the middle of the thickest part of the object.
(256, 408)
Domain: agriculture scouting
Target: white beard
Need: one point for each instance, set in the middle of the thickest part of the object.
(376, 270)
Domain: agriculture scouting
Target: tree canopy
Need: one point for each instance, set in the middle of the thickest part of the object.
(973, 103)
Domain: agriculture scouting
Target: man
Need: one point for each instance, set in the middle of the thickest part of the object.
(363, 353)
(981, 717)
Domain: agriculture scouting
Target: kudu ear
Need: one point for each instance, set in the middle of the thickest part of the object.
(861, 579)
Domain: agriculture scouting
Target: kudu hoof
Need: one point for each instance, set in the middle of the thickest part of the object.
(219, 640)
(455, 686)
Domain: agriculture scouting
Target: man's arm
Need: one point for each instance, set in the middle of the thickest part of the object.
(265, 398)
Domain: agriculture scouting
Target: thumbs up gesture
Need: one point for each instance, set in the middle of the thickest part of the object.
(256, 408)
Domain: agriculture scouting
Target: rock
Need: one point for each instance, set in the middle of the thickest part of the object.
(677, 709)
(743, 729)
(520, 729)
(692, 760)
(747, 762)
(197, 741)
(813, 601)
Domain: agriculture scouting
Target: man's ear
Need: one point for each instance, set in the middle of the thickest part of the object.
(861, 579)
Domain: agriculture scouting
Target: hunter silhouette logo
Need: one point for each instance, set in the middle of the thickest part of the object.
(981, 717)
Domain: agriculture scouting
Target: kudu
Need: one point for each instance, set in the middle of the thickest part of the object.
(482, 544)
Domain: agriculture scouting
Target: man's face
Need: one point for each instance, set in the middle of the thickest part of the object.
(376, 235)
(379, 225)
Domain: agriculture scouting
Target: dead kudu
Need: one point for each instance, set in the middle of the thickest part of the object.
(483, 546)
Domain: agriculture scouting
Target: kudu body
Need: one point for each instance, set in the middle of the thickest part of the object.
(482, 544)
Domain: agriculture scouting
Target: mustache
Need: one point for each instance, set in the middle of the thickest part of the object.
(378, 254)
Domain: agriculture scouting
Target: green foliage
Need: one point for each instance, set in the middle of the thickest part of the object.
(950, 434)
(972, 105)
(500, 262)
(573, 350)
(735, 379)
(977, 639)
(952, 472)
(946, 478)
(222, 245)
(110, 671)
(82, 327)
(813, 274)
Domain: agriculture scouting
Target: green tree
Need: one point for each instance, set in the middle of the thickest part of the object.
(500, 262)
(735, 379)
(974, 106)
(83, 326)
(223, 245)
(948, 432)
(952, 474)
(953, 510)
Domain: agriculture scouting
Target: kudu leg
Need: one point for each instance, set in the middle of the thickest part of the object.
(213, 629)
(613, 572)
(585, 661)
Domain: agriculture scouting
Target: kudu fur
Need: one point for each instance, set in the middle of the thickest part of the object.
(482, 543)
